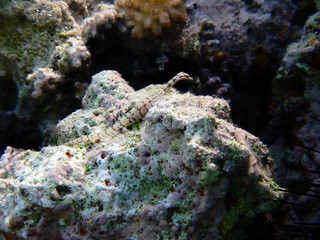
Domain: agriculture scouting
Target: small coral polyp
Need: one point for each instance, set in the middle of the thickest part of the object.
(151, 16)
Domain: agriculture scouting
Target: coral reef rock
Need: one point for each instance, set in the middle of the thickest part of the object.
(243, 43)
(183, 172)
(296, 103)
(41, 55)
(296, 114)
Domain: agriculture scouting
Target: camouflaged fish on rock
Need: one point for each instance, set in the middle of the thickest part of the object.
(131, 115)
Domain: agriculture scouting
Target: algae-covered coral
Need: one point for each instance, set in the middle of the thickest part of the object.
(29, 30)
(296, 105)
(35, 57)
(184, 165)
(32, 41)
(153, 16)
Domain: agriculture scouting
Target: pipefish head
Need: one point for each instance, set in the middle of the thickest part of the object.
(182, 76)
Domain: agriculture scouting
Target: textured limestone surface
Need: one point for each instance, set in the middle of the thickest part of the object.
(296, 102)
(183, 172)
(35, 49)
(37, 56)
(296, 106)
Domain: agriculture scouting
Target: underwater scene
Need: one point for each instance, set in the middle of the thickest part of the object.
(159, 119)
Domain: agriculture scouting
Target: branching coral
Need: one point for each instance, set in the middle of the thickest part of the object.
(151, 16)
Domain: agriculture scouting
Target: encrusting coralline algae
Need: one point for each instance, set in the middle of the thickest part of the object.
(183, 172)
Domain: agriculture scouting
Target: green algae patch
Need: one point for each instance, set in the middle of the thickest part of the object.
(24, 41)
(210, 175)
(30, 31)
(246, 200)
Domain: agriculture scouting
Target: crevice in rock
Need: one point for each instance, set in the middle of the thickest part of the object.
(19, 133)
(8, 88)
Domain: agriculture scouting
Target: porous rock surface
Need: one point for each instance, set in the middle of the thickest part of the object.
(183, 172)
(296, 112)
(296, 105)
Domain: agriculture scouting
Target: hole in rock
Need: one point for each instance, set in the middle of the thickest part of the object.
(63, 190)
(19, 133)
(8, 88)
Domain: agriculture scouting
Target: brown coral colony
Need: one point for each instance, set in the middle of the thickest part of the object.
(151, 16)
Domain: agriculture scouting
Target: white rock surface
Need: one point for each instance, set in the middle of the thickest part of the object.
(183, 172)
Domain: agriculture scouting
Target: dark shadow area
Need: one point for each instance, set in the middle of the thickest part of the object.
(250, 100)
(8, 94)
(8, 88)
(305, 8)
(19, 133)
(140, 62)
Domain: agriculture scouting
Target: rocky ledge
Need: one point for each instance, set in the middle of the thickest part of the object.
(183, 172)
